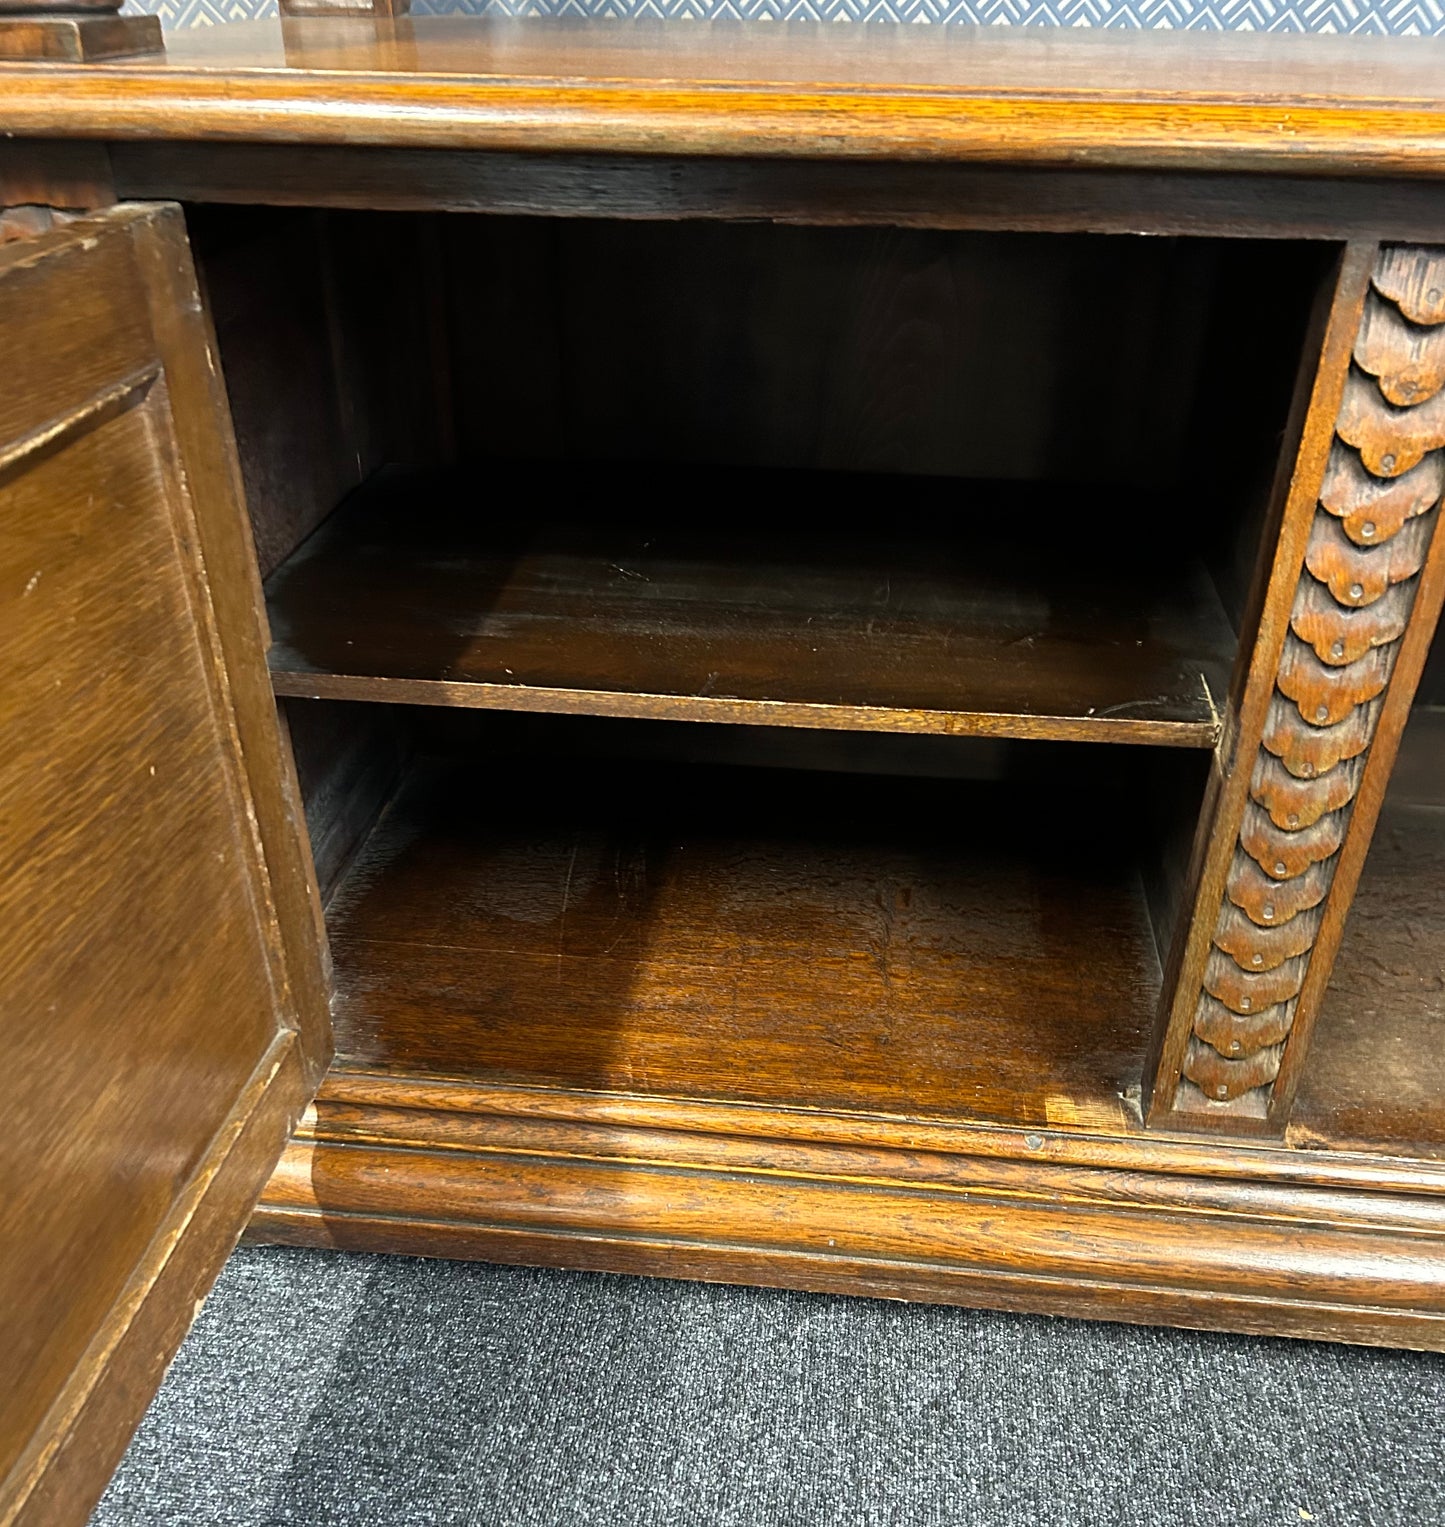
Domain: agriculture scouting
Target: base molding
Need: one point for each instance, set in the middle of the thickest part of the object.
(1163, 1230)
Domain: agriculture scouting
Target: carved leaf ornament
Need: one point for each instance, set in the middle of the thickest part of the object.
(1373, 525)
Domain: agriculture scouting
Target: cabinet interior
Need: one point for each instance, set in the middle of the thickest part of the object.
(760, 663)
(1377, 1064)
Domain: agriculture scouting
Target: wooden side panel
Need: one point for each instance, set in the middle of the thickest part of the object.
(348, 762)
(333, 365)
(267, 290)
(146, 1000)
(206, 447)
(1353, 600)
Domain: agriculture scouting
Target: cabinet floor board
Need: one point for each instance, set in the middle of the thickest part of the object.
(749, 935)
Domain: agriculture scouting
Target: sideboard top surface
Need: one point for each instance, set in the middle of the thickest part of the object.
(1143, 100)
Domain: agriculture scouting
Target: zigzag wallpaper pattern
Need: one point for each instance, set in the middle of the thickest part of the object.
(1399, 18)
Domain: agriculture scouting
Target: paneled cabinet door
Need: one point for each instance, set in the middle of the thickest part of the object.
(162, 1012)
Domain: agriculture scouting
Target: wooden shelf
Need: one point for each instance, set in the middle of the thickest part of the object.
(1009, 610)
(745, 935)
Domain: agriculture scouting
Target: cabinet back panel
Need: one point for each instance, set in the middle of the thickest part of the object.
(951, 354)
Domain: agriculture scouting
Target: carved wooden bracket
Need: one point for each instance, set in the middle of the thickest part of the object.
(1300, 825)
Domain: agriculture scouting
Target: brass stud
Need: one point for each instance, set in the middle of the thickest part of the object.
(1246, 1003)
(1268, 912)
(1367, 529)
(1256, 959)
(1322, 713)
(1293, 819)
(1357, 591)
(1338, 650)
(1280, 868)
(1221, 1091)
(1234, 1046)
(1388, 462)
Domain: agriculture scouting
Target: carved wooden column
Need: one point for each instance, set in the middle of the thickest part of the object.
(81, 31)
(1353, 598)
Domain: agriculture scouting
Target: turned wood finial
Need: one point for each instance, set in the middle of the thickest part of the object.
(78, 31)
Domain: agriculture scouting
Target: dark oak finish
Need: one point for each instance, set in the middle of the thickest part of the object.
(1376, 1067)
(649, 1123)
(657, 187)
(141, 1112)
(458, 591)
(896, 351)
(270, 297)
(1048, 1220)
(327, 356)
(1355, 595)
(1189, 102)
(207, 449)
(60, 175)
(580, 1036)
(347, 767)
(77, 38)
(836, 999)
(746, 935)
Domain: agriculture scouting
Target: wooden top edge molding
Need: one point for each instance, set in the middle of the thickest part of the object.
(1159, 1151)
(1324, 105)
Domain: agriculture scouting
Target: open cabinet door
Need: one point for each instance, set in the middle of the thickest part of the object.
(162, 990)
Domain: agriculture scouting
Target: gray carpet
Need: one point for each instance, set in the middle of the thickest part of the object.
(319, 1388)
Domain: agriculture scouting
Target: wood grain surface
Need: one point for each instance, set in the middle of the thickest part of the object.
(852, 192)
(1101, 1245)
(1194, 964)
(756, 609)
(737, 933)
(913, 351)
(73, 175)
(76, 38)
(1191, 102)
(705, 1123)
(1362, 602)
(1376, 1069)
(616, 1141)
(1064, 1219)
(150, 1017)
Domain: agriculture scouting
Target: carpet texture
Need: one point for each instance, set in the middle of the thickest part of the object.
(320, 1388)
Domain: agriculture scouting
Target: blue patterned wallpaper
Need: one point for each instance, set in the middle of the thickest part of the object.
(1400, 18)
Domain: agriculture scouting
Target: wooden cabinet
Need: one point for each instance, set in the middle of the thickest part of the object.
(807, 706)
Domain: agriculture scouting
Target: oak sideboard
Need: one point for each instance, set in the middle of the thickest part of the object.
(796, 655)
